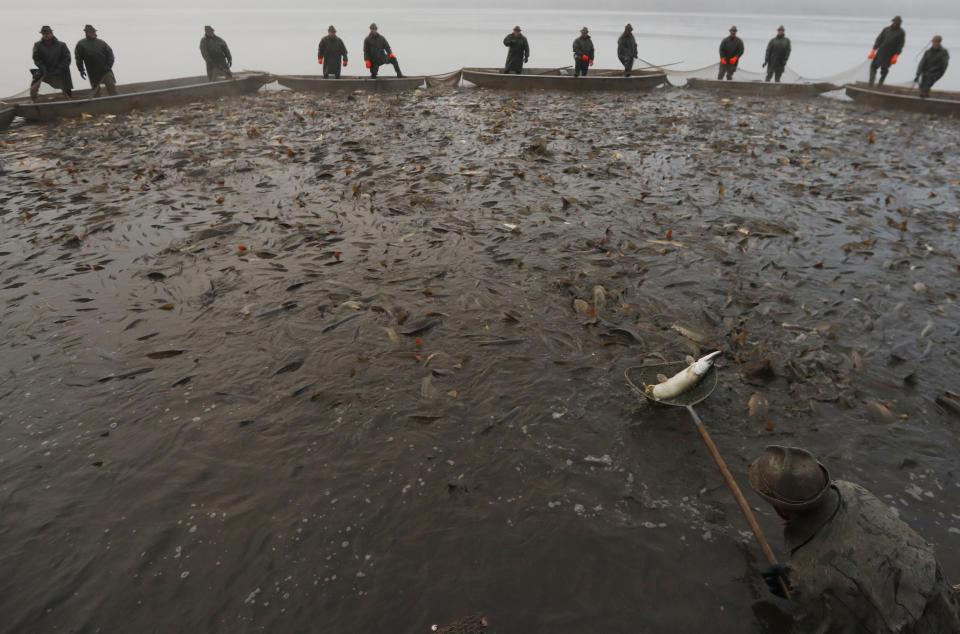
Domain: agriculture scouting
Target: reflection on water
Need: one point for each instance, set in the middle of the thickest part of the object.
(163, 43)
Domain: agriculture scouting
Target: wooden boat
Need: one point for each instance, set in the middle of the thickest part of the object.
(7, 113)
(761, 88)
(563, 79)
(316, 83)
(138, 96)
(939, 102)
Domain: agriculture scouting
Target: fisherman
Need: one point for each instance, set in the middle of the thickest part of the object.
(854, 565)
(330, 52)
(627, 49)
(582, 53)
(376, 53)
(216, 54)
(52, 58)
(932, 66)
(886, 50)
(95, 58)
(731, 50)
(778, 52)
(518, 52)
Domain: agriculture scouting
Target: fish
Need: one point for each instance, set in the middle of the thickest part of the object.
(681, 381)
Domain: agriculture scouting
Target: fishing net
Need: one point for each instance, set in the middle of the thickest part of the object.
(680, 77)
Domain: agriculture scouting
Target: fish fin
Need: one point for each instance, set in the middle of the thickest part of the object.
(689, 359)
(662, 377)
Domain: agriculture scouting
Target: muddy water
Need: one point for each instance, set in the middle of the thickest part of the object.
(287, 363)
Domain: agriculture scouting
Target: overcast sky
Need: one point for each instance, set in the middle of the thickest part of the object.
(868, 8)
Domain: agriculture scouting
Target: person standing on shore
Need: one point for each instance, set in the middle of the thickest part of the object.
(377, 52)
(731, 50)
(52, 58)
(778, 52)
(855, 566)
(330, 53)
(95, 58)
(932, 66)
(518, 52)
(216, 54)
(886, 49)
(627, 49)
(582, 53)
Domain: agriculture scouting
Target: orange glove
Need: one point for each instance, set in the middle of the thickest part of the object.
(591, 62)
(733, 60)
(584, 58)
(893, 60)
(872, 53)
(392, 56)
(344, 63)
(367, 62)
(319, 60)
(723, 60)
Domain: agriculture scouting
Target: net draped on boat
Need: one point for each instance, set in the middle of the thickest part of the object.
(680, 77)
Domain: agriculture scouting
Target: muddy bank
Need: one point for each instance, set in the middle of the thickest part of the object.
(288, 363)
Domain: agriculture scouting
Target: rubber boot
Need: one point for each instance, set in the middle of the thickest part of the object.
(873, 76)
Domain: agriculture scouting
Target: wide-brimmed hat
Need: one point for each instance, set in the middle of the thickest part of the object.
(584, 30)
(897, 18)
(789, 478)
(89, 28)
(516, 28)
(629, 27)
(373, 26)
(733, 28)
(937, 38)
(331, 28)
(208, 28)
(780, 28)
(46, 29)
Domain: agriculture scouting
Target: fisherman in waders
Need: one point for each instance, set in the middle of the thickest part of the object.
(627, 49)
(778, 52)
(886, 49)
(582, 53)
(518, 52)
(52, 58)
(216, 54)
(95, 59)
(376, 53)
(854, 565)
(932, 66)
(330, 52)
(731, 50)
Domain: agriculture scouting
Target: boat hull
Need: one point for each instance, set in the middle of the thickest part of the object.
(316, 83)
(7, 113)
(563, 80)
(761, 88)
(141, 96)
(940, 103)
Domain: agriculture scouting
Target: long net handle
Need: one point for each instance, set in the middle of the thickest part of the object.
(741, 501)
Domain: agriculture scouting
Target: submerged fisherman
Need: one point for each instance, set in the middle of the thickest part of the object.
(216, 54)
(330, 52)
(376, 53)
(886, 50)
(518, 52)
(95, 58)
(731, 50)
(582, 53)
(932, 66)
(854, 565)
(52, 58)
(627, 49)
(778, 52)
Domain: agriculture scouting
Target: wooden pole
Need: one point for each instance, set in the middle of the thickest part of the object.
(741, 501)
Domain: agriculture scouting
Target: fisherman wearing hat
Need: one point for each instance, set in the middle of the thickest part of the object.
(216, 54)
(886, 49)
(330, 53)
(95, 58)
(582, 53)
(731, 50)
(932, 66)
(52, 58)
(778, 52)
(627, 49)
(518, 52)
(854, 565)
(376, 53)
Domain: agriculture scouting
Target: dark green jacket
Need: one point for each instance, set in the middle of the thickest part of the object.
(889, 43)
(333, 51)
(778, 52)
(934, 63)
(215, 52)
(376, 49)
(626, 47)
(583, 45)
(518, 50)
(731, 46)
(95, 57)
